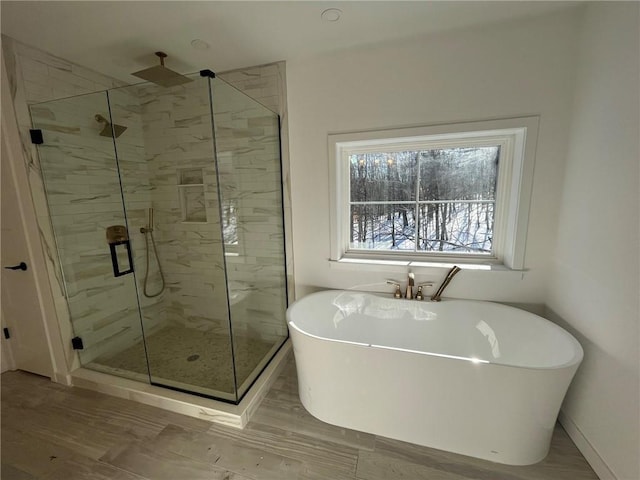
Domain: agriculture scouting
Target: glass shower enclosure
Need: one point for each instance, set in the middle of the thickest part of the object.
(166, 205)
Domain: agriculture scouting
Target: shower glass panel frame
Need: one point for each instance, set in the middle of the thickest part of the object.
(203, 160)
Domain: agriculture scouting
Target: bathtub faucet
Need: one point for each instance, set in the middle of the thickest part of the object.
(398, 293)
(419, 295)
(436, 296)
(409, 294)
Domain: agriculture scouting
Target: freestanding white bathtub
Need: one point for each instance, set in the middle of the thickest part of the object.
(470, 377)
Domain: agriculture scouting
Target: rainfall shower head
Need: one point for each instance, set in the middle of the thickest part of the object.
(161, 75)
(107, 131)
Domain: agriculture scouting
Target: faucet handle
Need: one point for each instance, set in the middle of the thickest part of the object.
(395, 283)
(419, 294)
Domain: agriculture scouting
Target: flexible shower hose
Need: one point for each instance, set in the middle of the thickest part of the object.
(146, 275)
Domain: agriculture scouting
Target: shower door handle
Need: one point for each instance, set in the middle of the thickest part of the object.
(120, 249)
(115, 248)
(21, 266)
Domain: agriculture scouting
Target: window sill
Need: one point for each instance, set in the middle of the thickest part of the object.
(366, 264)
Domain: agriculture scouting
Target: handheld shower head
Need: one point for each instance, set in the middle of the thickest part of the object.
(161, 75)
(107, 130)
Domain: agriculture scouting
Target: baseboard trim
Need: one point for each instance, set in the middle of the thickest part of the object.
(62, 378)
(588, 452)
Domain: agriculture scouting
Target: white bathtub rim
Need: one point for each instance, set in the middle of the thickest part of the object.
(575, 360)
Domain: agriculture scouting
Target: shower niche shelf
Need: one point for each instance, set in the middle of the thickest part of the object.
(191, 192)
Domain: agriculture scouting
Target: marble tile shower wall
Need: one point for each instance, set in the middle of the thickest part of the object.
(178, 145)
(179, 152)
(267, 84)
(137, 195)
(248, 150)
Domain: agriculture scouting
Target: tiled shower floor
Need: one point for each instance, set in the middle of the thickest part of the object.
(186, 357)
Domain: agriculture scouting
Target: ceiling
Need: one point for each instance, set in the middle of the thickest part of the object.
(119, 37)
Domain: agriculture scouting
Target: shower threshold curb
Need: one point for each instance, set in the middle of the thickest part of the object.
(194, 406)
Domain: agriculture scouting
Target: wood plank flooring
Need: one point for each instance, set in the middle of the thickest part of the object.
(54, 432)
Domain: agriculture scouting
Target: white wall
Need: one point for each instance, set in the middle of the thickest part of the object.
(595, 280)
(504, 70)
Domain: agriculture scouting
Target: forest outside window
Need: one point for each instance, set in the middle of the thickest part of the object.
(435, 200)
(445, 193)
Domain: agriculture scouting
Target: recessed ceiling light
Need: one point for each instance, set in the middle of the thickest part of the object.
(331, 15)
(199, 44)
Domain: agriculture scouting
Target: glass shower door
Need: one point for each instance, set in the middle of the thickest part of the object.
(250, 181)
(170, 191)
(82, 184)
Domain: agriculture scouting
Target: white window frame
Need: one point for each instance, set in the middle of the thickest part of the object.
(517, 138)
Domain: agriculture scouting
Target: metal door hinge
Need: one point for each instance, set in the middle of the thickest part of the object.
(36, 136)
(6, 333)
(76, 343)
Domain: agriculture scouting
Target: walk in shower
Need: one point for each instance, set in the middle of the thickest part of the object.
(166, 204)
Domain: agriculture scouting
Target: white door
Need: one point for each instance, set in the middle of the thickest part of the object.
(21, 311)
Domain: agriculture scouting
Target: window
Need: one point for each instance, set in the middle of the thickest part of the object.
(444, 193)
(436, 200)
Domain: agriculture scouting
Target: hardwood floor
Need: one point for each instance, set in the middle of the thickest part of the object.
(54, 432)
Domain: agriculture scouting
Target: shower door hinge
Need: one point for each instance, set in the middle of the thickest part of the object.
(36, 136)
(6, 333)
(76, 343)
